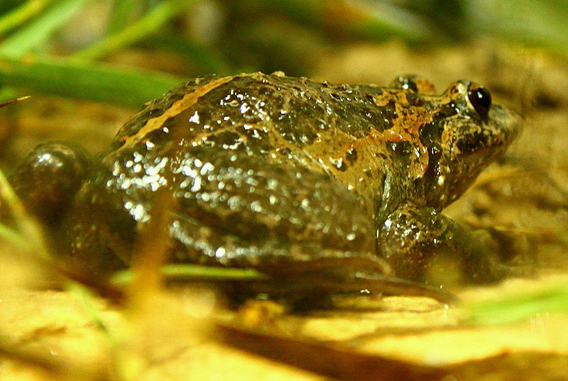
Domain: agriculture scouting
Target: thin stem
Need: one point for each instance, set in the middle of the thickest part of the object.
(121, 13)
(144, 26)
(35, 33)
(25, 224)
(22, 14)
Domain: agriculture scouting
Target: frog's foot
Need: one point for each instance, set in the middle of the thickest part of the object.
(426, 246)
(341, 275)
(308, 291)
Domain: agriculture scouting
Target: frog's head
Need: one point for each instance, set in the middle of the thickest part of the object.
(467, 133)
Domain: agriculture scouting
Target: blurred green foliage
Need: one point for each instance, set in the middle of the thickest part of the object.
(515, 307)
(53, 46)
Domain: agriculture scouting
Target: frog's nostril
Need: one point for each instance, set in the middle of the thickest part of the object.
(480, 99)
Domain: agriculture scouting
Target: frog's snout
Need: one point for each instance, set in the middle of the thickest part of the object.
(505, 124)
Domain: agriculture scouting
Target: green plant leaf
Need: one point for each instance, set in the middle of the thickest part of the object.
(96, 82)
(205, 57)
(152, 21)
(536, 22)
(372, 19)
(22, 14)
(121, 13)
(195, 272)
(514, 308)
(36, 33)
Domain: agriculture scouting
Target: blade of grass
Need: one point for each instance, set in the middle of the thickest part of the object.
(52, 366)
(535, 22)
(29, 231)
(96, 82)
(14, 238)
(7, 93)
(194, 272)
(37, 32)
(149, 254)
(326, 360)
(514, 308)
(382, 20)
(121, 13)
(372, 20)
(152, 21)
(207, 58)
(22, 14)
(14, 101)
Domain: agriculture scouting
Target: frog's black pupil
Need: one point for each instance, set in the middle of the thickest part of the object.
(480, 98)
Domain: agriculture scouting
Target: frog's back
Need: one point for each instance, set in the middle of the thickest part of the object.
(286, 119)
(299, 109)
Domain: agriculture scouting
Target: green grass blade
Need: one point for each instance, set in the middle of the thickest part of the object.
(195, 272)
(536, 22)
(375, 20)
(14, 238)
(384, 20)
(28, 234)
(22, 14)
(514, 308)
(121, 14)
(96, 82)
(8, 93)
(151, 22)
(206, 58)
(36, 33)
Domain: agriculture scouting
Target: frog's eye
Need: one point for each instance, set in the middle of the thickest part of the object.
(407, 83)
(480, 99)
(414, 83)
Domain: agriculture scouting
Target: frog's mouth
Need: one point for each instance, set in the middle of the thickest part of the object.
(474, 139)
(470, 145)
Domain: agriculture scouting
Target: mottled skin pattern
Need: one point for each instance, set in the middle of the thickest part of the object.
(282, 173)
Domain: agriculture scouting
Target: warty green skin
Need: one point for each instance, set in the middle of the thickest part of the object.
(288, 175)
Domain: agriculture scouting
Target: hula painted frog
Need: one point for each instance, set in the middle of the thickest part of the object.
(292, 177)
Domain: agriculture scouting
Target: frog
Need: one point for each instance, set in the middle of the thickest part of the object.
(321, 186)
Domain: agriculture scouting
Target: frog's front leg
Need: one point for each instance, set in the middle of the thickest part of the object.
(423, 245)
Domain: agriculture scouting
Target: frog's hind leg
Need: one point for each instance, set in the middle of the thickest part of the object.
(302, 228)
(353, 275)
(246, 211)
(314, 288)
